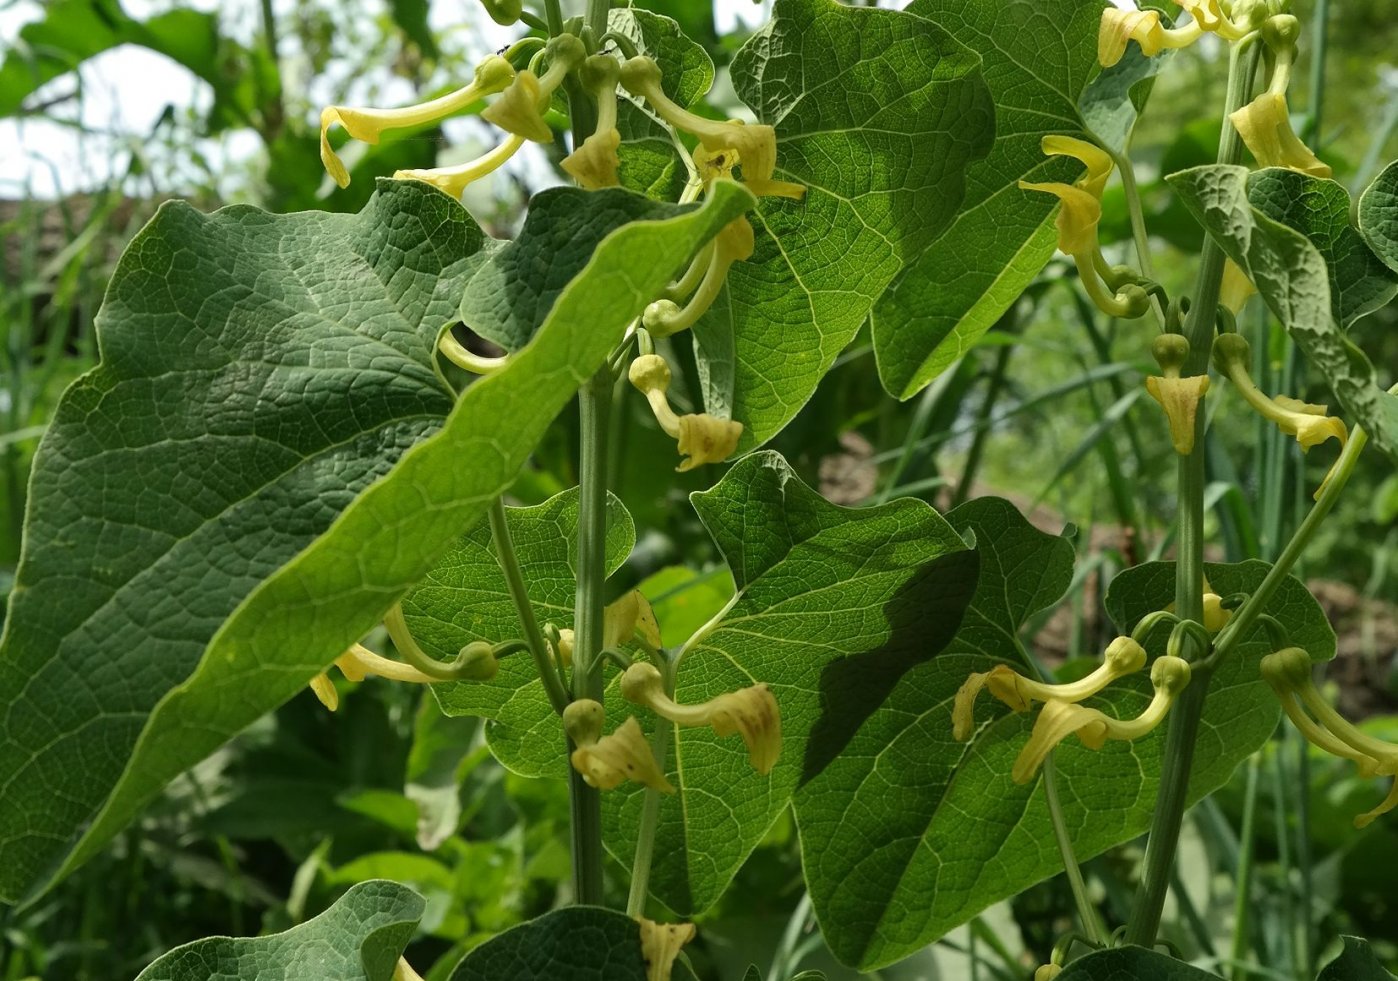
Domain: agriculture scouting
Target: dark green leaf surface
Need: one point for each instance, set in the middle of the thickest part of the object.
(1378, 215)
(1293, 278)
(580, 943)
(833, 606)
(465, 598)
(267, 370)
(910, 833)
(1132, 964)
(878, 113)
(511, 288)
(1319, 209)
(360, 938)
(1037, 58)
(1357, 962)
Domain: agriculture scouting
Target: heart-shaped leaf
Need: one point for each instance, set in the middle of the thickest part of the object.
(1378, 215)
(878, 113)
(229, 500)
(1037, 57)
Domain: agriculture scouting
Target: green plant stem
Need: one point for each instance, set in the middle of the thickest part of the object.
(597, 16)
(594, 407)
(1189, 559)
(514, 579)
(1246, 616)
(650, 808)
(1243, 896)
(553, 16)
(1138, 225)
(1091, 923)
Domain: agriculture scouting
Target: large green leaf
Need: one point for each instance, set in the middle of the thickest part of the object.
(910, 833)
(1357, 962)
(1319, 209)
(217, 510)
(878, 113)
(833, 606)
(1038, 56)
(360, 938)
(1294, 279)
(579, 943)
(1378, 215)
(465, 598)
(1132, 964)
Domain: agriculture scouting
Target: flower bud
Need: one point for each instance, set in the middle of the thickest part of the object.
(477, 662)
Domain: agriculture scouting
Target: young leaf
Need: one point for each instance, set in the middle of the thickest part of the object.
(833, 606)
(360, 938)
(270, 371)
(1378, 215)
(1037, 56)
(1135, 963)
(1294, 279)
(465, 598)
(579, 943)
(910, 833)
(878, 113)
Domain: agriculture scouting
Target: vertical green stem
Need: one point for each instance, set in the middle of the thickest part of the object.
(650, 808)
(594, 405)
(514, 579)
(1189, 560)
(1091, 923)
(1243, 896)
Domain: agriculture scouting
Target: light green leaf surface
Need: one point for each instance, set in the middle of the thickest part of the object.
(580, 943)
(1132, 964)
(1112, 101)
(465, 598)
(833, 606)
(1319, 209)
(910, 833)
(432, 781)
(1378, 215)
(1294, 280)
(878, 113)
(360, 938)
(251, 364)
(1037, 57)
(1357, 962)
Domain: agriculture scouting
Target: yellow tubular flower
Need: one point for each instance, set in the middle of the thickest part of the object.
(566, 639)
(660, 945)
(734, 243)
(702, 438)
(324, 690)
(358, 663)
(454, 180)
(594, 164)
(1082, 200)
(751, 712)
(1123, 656)
(1231, 354)
(520, 108)
(1059, 720)
(1288, 672)
(719, 164)
(1119, 27)
(624, 755)
(492, 75)
(756, 145)
(1180, 398)
(1236, 289)
(1265, 126)
(630, 617)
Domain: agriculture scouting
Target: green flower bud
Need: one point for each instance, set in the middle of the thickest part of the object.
(1281, 32)
(583, 720)
(503, 12)
(477, 661)
(1231, 349)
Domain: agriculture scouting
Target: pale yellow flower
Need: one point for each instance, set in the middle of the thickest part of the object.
(623, 755)
(750, 712)
(1265, 126)
(660, 946)
(1180, 398)
(701, 438)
